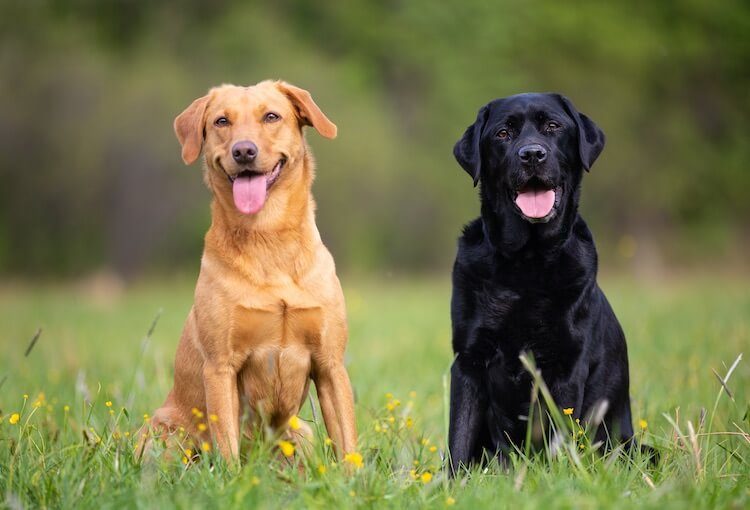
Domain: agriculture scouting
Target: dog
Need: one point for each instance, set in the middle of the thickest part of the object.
(269, 313)
(524, 281)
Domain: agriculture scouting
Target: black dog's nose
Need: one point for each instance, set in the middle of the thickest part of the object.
(244, 152)
(532, 153)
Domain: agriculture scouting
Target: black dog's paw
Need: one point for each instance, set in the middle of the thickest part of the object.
(648, 452)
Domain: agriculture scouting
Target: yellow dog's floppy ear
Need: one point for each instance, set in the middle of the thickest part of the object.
(188, 126)
(309, 113)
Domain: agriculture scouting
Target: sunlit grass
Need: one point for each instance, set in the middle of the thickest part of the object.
(73, 410)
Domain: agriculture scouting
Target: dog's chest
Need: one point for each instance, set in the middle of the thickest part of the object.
(273, 344)
(279, 324)
(511, 321)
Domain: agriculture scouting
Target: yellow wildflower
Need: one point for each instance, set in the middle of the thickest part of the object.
(127, 434)
(111, 412)
(197, 413)
(426, 477)
(184, 460)
(328, 441)
(389, 396)
(425, 441)
(146, 417)
(255, 480)
(202, 427)
(352, 494)
(25, 396)
(412, 394)
(66, 408)
(433, 448)
(396, 403)
(643, 424)
(294, 422)
(449, 501)
(391, 419)
(354, 458)
(568, 411)
(213, 418)
(390, 406)
(322, 469)
(14, 418)
(581, 446)
(409, 423)
(377, 427)
(413, 474)
(188, 452)
(108, 403)
(206, 447)
(287, 448)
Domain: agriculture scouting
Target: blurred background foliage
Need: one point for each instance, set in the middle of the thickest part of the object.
(92, 178)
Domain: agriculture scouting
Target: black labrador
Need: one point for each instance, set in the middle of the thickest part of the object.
(524, 280)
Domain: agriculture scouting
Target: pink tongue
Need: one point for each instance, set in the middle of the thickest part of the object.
(249, 193)
(536, 203)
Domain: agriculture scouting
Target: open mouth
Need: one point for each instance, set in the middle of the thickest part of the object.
(250, 188)
(538, 200)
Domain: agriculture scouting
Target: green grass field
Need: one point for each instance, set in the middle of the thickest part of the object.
(61, 445)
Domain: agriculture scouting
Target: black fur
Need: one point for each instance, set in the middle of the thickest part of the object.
(529, 285)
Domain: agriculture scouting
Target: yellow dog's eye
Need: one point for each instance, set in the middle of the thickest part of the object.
(271, 117)
(221, 121)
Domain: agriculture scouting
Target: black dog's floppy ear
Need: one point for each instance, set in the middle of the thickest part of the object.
(466, 151)
(590, 137)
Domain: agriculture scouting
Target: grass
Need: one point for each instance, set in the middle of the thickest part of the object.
(69, 448)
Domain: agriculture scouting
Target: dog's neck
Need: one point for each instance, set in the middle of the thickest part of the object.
(283, 232)
(513, 237)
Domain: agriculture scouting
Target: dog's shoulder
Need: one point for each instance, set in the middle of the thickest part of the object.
(474, 258)
(473, 250)
(579, 253)
(473, 233)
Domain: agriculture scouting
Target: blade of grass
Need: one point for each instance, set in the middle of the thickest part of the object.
(33, 342)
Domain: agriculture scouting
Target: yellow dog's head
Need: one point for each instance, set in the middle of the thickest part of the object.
(249, 137)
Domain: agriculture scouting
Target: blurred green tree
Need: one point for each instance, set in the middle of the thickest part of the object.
(91, 172)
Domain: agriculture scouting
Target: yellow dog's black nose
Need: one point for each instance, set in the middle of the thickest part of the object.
(244, 151)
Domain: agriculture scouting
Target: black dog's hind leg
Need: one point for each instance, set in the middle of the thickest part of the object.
(468, 416)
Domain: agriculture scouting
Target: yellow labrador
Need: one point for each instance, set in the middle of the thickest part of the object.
(269, 313)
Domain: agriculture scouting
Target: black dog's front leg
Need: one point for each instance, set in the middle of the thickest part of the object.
(468, 414)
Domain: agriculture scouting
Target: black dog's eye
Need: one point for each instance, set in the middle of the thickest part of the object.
(551, 126)
(271, 117)
(221, 121)
(503, 134)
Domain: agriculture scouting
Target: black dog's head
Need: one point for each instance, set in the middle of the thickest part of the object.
(529, 152)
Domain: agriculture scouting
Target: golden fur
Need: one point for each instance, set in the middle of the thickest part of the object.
(269, 312)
